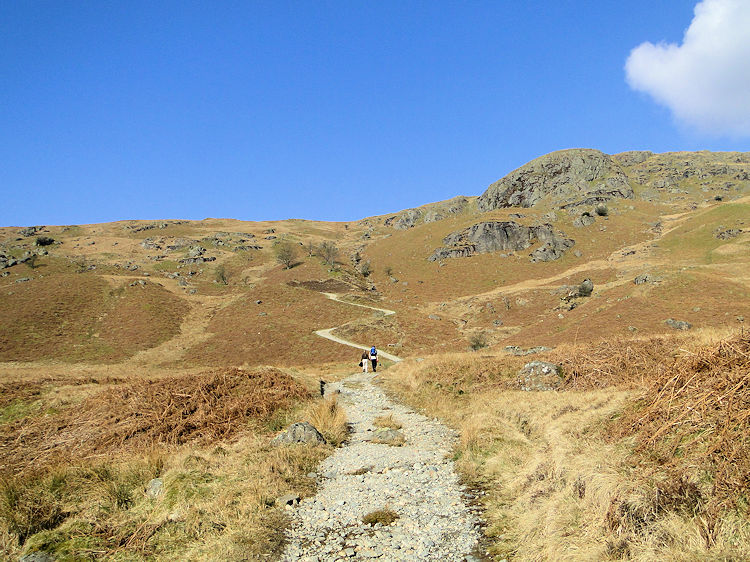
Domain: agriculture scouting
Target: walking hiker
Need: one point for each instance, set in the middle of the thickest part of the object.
(374, 358)
(364, 360)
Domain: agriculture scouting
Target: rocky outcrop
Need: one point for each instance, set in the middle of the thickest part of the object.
(566, 178)
(496, 236)
(428, 213)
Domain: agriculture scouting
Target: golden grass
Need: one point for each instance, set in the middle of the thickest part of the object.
(207, 436)
(557, 488)
(217, 503)
(329, 418)
(386, 421)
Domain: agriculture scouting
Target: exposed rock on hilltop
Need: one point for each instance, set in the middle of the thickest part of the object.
(486, 237)
(565, 178)
(427, 213)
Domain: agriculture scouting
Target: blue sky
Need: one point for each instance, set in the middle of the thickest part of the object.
(318, 110)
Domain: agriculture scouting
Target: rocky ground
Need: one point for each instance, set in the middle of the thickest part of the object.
(415, 481)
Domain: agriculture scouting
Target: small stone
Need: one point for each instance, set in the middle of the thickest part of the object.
(155, 487)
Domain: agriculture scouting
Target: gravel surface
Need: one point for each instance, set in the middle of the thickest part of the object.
(417, 481)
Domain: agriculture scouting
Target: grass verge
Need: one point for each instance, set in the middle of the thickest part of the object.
(640, 456)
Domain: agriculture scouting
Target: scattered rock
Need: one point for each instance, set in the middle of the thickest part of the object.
(30, 230)
(644, 278)
(519, 351)
(678, 324)
(729, 233)
(301, 432)
(434, 317)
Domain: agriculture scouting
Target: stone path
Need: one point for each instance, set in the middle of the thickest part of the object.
(417, 481)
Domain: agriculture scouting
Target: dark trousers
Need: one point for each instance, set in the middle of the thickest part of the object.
(374, 364)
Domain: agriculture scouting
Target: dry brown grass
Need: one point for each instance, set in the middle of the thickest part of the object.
(83, 318)
(169, 411)
(73, 480)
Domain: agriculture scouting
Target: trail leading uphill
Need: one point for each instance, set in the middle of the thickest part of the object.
(417, 481)
(327, 332)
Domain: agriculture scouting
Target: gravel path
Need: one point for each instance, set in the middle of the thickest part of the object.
(417, 481)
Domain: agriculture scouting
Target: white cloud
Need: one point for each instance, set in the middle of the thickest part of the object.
(705, 81)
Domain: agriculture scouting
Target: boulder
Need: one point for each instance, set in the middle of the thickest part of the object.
(301, 432)
(565, 178)
(388, 436)
(586, 219)
(678, 324)
(540, 375)
(552, 249)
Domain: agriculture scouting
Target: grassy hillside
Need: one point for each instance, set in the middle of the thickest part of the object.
(108, 331)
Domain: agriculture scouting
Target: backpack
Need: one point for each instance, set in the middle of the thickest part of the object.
(373, 352)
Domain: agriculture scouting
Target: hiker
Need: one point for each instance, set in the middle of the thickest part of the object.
(374, 358)
(364, 360)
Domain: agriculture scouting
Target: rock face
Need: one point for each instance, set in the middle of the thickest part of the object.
(486, 237)
(566, 178)
(303, 432)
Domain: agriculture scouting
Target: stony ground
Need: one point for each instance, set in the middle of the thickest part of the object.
(417, 481)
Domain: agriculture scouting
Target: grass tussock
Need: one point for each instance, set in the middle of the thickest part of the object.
(329, 418)
(387, 421)
(384, 516)
(643, 454)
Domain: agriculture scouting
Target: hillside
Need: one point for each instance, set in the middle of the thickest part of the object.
(576, 248)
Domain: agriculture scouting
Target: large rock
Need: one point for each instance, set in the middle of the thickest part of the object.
(301, 432)
(388, 436)
(565, 178)
(486, 237)
(540, 375)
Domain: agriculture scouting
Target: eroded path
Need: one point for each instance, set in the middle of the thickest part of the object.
(417, 481)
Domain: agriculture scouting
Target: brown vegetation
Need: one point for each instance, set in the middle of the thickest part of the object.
(140, 415)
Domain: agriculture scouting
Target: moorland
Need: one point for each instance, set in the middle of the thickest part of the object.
(174, 350)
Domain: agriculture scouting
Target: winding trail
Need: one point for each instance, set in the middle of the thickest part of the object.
(326, 333)
(413, 477)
